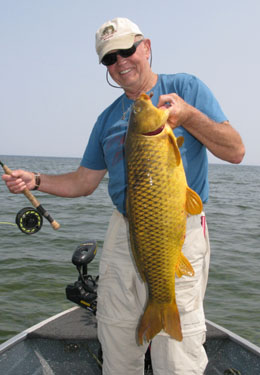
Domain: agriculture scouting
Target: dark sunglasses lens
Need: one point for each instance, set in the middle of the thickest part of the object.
(127, 52)
(109, 59)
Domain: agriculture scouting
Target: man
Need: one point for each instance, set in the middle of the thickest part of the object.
(195, 114)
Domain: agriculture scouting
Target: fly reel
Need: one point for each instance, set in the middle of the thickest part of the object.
(29, 220)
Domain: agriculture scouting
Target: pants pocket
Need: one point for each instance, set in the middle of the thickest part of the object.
(190, 290)
(118, 301)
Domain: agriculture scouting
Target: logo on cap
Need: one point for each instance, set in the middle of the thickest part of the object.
(108, 32)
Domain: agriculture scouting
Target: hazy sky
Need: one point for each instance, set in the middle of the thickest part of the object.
(52, 88)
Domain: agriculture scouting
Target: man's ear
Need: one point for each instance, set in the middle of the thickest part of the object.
(147, 46)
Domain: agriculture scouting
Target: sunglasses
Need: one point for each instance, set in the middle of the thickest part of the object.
(111, 58)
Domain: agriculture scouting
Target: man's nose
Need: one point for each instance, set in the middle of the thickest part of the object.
(120, 59)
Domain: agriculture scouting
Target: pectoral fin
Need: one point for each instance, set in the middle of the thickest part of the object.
(180, 141)
(174, 143)
(193, 202)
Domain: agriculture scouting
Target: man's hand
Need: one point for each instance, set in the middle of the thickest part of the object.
(179, 110)
(19, 180)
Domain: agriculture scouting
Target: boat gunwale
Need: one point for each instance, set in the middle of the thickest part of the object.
(236, 338)
(24, 334)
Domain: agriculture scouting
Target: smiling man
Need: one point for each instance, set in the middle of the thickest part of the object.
(194, 114)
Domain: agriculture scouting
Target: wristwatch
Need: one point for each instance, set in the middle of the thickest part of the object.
(37, 177)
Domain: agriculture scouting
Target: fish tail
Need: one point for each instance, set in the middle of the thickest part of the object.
(151, 322)
(157, 317)
(171, 321)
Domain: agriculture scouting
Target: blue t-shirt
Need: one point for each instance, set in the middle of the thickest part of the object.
(105, 149)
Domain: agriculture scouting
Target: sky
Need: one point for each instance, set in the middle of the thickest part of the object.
(52, 87)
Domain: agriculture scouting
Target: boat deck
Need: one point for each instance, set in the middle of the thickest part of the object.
(68, 345)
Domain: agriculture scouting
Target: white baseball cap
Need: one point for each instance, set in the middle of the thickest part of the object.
(118, 33)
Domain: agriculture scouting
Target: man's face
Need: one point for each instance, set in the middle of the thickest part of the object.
(131, 71)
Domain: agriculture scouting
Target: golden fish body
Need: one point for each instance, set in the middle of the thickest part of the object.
(158, 200)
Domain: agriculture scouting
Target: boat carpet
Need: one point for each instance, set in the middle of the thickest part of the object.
(78, 324)
(81, 323)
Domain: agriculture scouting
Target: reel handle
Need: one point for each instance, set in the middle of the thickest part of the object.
(55, 225)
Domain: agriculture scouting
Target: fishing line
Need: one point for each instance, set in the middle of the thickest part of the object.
(6, 222)
(28, 220)
(95, 357)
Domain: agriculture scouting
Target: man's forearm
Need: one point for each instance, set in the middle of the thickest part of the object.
(81, 182)
(64, 185)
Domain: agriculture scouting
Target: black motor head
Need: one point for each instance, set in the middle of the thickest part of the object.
(84, 253)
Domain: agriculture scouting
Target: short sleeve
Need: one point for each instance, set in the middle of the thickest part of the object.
(93, 157)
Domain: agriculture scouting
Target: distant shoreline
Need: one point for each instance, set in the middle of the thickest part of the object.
(220, 162)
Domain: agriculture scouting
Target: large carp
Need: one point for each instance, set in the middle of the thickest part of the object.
(158, 202)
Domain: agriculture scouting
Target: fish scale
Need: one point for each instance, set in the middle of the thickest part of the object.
(158, 200)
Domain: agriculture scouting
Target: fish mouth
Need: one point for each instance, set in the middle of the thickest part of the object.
(154, 132)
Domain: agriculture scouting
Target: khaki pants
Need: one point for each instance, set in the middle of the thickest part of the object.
(122, 297)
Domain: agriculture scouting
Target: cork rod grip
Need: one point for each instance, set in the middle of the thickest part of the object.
(55, 225)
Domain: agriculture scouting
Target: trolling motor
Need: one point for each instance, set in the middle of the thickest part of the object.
(84, 290)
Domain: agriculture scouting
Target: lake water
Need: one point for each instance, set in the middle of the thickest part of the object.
(35, 269)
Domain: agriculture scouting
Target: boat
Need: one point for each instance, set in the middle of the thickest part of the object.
(67, 343)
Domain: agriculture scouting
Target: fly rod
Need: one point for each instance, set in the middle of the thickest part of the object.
(34, 201)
